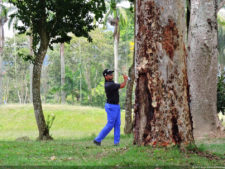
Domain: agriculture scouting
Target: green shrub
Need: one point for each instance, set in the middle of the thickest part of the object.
(221, 93)
(49, 121)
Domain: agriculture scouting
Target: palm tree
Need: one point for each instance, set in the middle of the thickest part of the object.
(117, 16)
(120, 20)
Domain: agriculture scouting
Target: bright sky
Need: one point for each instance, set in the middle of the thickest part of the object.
(221, 13)
(9, 32)
(125, 4)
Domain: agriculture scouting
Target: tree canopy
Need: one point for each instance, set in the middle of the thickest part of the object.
(57, 18)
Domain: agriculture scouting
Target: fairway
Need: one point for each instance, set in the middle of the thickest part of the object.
(71, 122)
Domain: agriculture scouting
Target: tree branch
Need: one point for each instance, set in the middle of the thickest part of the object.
(221, 5)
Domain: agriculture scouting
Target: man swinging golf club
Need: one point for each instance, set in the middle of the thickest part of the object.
(112, 107)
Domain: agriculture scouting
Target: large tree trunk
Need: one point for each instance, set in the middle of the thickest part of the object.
(202, 66)
(63, 94)
(39, 58)
(116, 48)
(162, 115)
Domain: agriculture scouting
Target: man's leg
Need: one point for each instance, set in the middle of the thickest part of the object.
(111, 118)
(117, 127)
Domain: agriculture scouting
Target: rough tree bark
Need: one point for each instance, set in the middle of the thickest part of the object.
(63, 94)
(162, 115)
(202, 66)
(39, 58)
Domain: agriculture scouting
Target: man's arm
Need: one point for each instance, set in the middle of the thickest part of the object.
(122, 85)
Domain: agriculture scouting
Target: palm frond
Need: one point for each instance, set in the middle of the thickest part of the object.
(123, 16)
(4, 10)
(106, 17)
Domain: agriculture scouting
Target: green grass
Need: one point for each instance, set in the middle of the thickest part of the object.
(73, 131)
(215, 146)
(82, 152)
(71, 122)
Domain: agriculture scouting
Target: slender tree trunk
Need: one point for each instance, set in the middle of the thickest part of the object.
(31, 68)
(19, 97)
(202, 66)
(31, 77)
(1, 76)
(221, 4)
(88, 81)
(63, 94)
(162, 115)
(39, 116)
(16, 84)
(42, 127)
(128, 103)
(116, 48)
(80, 52)
(25, 97)
(1, 52)
(6, 91)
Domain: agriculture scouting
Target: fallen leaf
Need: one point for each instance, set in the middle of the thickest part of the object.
(70, 158)
(53, 158)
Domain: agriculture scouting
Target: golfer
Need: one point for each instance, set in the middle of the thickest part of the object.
(112, 108)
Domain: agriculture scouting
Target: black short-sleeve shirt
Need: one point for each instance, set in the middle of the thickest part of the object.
(112, 92)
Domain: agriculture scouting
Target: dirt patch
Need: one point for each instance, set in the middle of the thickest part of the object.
(205, 154)
(25, 138)
(115, 150)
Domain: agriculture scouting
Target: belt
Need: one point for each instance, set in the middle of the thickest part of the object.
(112, 103)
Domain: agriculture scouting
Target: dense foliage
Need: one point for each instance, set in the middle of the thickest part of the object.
(221, 41)
(221, 93)
(84, 62)
(54, 19)
(49, 22)
(221, 62)
(16, 74)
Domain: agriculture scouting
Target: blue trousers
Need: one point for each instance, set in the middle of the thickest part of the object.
(113, 121)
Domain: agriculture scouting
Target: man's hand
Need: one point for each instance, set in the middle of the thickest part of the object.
(125, 77)
(122, 85)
